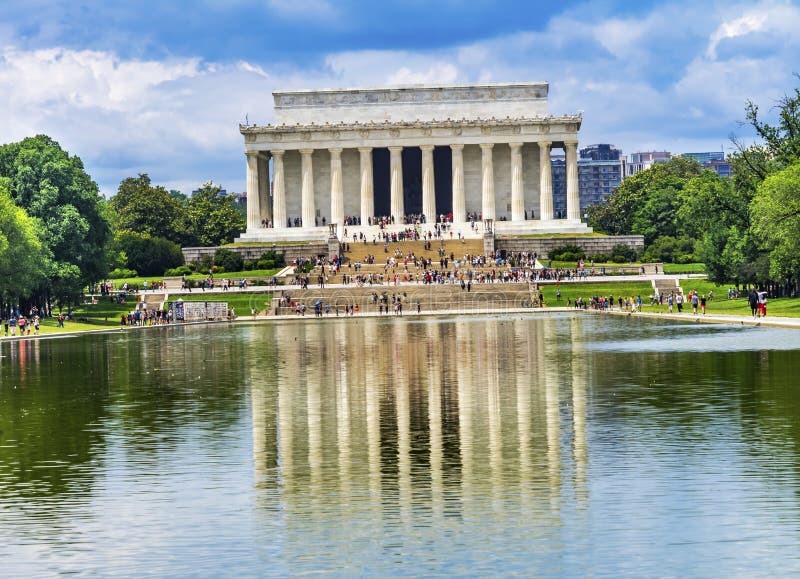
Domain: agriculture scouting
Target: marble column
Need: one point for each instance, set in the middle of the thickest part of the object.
(253, 205)
(337, 192)
(263, 190)
(278, 191)
(428, 187)
(307, 189)
(459, 199)
(573, 198)
(367, 192)
(487, 168)
(545, 182)
(396, 170)
(517, 189)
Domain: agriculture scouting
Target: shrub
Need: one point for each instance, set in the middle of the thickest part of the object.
(227, 260)
(671, 250)
(273, 259)
(146, 254)
(178, 271)
(567, 253)
(119, 272)
(599, 258)
(627, 253)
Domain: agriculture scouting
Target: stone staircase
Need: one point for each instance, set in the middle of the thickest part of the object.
(666, 285)
(428, 297)
(359, 251)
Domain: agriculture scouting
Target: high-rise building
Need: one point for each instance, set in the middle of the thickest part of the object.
(644, 160)
(714, 160)
(600, 171)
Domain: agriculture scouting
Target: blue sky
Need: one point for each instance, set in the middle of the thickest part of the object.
(160, 87)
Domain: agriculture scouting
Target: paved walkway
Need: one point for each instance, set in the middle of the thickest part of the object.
(313, 285)
(768, 321)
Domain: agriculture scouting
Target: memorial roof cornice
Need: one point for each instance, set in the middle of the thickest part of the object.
(435, 123)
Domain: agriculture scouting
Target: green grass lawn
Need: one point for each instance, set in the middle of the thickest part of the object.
(236, 275)
(572, 291)
(241, 302)
(684, 268)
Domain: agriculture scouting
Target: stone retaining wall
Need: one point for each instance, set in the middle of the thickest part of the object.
(250, 252)
(593, 245)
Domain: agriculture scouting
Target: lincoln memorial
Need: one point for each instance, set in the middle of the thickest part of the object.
(398, 157)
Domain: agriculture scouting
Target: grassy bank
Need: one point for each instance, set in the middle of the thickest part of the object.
(235, 275)
(241, 302)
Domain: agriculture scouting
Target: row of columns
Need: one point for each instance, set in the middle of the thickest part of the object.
(258, 175)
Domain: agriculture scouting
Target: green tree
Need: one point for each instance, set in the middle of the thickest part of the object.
(142, 207)
(776, 223)
(53, 188)
(146, 254)
(214, 219)
(23, 260)
(646, 203)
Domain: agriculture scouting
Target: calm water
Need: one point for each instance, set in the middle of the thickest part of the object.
(521, 445)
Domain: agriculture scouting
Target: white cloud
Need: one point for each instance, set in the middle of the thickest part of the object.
(176, 119)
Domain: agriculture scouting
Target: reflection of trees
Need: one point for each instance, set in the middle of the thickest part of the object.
(49, 414)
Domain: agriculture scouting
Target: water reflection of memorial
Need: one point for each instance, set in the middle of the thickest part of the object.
(449, 418)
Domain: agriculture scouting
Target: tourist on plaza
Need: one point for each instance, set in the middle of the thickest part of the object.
(762, 303)
(703, 303)
(695, 302)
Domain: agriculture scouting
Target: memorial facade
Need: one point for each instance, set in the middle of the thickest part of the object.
(391, 157)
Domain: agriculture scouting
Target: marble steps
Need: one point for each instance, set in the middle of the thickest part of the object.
(429, 296)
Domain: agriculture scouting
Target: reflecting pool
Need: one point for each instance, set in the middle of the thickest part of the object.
(531, 445)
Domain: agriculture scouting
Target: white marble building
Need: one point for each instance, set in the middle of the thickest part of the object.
(469, 150)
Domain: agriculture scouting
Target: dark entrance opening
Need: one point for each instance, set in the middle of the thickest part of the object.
(381, 181)
(443, 179)
(412, 180)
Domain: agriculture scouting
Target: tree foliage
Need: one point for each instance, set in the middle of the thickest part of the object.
(151, 210)
(23, 260)
(214, 219)
(146, 254)
(776, 221)
(54, 189)
(646, 203)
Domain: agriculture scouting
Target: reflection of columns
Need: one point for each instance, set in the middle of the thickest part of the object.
(314, 425)
(434, 363)
(307, 188)
(286, 386)
(517, 191)
(573, 198)
(337, 194)
(459, 200)
(373, 410)
(396, 169)
(579, 410)
(367, 193)
(278, 191)
(403, 401)
(253, 206)
(493, 408)
(487, 168)
(341, 380)
(545, 182)
(263, 190)
(552, 410)
(465, 427)
(428, 192)
(522, 377)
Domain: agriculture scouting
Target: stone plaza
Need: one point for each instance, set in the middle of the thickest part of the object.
(390, 158)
